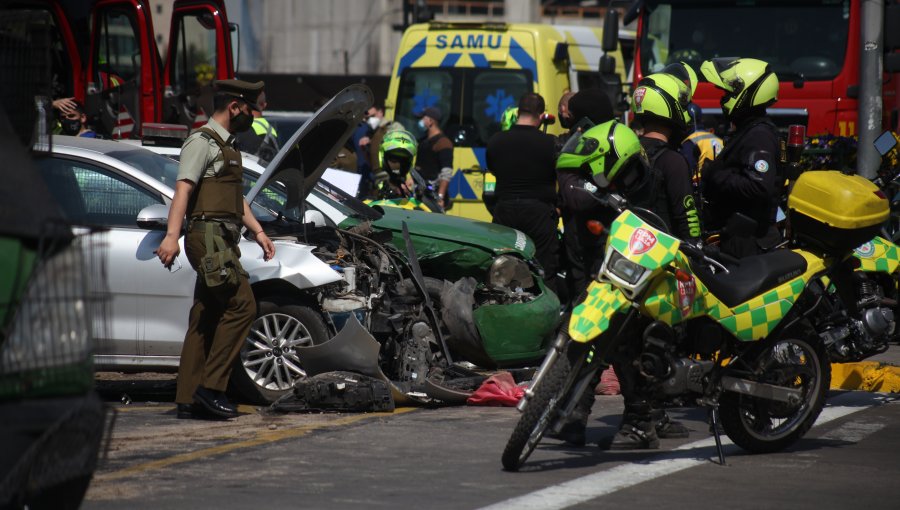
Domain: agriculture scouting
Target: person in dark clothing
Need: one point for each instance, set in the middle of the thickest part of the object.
(660, 102)
(744, 178)
(522, 160)
(661, 184)
(434, 161)
(583, 249)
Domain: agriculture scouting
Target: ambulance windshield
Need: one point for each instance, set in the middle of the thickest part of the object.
(471, 100)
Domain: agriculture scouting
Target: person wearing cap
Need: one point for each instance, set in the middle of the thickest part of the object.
(523, 161)
(434, 161)
(209, 193)
(262, 139)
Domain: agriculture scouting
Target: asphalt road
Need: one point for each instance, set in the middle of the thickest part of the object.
(450, 458)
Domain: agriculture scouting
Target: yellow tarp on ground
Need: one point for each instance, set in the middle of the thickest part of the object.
(865, 376)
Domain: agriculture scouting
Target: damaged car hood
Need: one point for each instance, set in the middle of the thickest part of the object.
(306, 155)
(497, 239)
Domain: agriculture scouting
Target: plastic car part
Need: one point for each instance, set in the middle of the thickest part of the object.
(338, 392)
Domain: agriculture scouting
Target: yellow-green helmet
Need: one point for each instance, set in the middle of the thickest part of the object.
(664, 97)
(610, 152)
(748, 83)
(509, 118)
(399, 144)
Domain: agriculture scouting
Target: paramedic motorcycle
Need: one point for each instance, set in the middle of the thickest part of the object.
(738, 340)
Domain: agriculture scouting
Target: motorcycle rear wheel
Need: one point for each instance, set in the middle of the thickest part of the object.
(543, 407)
(765, 426)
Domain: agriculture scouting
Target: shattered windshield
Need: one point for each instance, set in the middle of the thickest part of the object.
(798, 38)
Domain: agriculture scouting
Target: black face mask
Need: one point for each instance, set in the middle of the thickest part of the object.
(70, 127)
(565, 122)
(241, 122)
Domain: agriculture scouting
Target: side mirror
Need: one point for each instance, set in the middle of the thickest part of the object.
(314, 217)
(153, 217)
(610, 30)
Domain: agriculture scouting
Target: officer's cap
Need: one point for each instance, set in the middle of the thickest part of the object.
(241, 89)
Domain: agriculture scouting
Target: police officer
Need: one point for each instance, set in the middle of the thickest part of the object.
(522, 160)
(209, 192)
(744, 178)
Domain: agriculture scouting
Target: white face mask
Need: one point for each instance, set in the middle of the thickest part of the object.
(373, 122)
(422, 125)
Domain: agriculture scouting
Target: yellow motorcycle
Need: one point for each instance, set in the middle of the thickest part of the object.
(738, 340)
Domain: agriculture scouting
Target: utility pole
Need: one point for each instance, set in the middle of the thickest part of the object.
(870, 83)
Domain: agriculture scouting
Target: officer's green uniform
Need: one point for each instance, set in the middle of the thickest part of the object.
(224, 307)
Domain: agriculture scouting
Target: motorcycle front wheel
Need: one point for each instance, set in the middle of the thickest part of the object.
(543, 407)
(760, 425)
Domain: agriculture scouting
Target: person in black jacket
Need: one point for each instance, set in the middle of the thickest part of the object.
(660, 102)
(583, 249)
(522, 160)
(744, 178)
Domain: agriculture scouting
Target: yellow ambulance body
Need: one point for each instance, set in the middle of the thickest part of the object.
(473, 72)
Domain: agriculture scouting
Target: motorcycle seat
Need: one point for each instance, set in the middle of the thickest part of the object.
(754, 276)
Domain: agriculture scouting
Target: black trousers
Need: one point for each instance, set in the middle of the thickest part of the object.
(539, 221)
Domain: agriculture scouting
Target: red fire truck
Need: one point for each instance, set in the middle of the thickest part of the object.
(812, 45)
(105, 55)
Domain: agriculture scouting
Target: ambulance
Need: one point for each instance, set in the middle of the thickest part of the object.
(473, 71)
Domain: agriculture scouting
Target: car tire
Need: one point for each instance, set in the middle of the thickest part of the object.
(266, 367)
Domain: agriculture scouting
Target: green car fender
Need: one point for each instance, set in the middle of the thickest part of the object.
(518, 332)
(591, 318)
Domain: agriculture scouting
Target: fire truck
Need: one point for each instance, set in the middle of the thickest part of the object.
(814, 46)
(105, 55)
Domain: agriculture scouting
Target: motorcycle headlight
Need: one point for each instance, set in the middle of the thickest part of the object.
(624, 269)
(511, 272)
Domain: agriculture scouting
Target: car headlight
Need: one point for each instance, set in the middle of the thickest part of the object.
(624, 269)
(511, 272)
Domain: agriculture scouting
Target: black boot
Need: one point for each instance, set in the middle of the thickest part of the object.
(666, 428)
(637, 432)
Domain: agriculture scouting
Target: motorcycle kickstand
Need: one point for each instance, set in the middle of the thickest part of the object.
(714, 425)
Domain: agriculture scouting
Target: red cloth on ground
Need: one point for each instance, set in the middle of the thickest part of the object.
(497, 390)
(609, 383)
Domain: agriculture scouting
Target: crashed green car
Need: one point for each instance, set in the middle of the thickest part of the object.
(493, 300)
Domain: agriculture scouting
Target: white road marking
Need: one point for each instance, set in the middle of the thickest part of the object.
(684, 457)
(853, 432)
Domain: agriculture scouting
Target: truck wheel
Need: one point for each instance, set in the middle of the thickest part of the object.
(268, 365)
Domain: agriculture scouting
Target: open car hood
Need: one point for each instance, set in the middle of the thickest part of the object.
(306, 155)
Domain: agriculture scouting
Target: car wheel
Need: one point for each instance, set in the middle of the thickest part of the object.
(268, 365)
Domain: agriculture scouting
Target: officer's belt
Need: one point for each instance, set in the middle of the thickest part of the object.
(222, 226)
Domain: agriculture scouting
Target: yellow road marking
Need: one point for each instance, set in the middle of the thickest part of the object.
(261, 438)
(242, 408)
